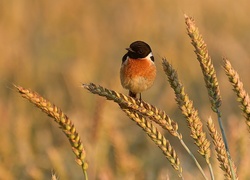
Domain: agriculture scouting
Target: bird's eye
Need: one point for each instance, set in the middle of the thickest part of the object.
(152, 58)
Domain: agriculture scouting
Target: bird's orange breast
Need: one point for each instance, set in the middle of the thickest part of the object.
(139, 67)
(137, 75)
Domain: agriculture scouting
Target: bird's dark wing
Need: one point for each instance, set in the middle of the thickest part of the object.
(124, 57)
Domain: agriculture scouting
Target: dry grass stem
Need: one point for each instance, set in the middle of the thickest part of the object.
(157, 137)
(243, 97)
(221, 151)
(64, 123)
(188, 110)
(143, 108)
(205, 63)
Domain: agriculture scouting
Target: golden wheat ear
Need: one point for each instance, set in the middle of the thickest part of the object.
(243, 97)
(62, 120)
(142, 109)
(221, 151)
(139, 112)
(157, 138)
(189, 112)
(209, 75)
(205, 61)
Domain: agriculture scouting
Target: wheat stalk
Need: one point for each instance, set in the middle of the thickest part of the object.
(209, 74)
(157, 138)
(205, 63)
(221, 151)
(143, 109)
(243, 97)
(136, 110)
(189, 112)
(62, 120)
(155, 114)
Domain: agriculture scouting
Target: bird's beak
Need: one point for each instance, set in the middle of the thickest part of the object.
(130, 50)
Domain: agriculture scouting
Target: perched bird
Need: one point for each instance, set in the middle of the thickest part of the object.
(138, 70)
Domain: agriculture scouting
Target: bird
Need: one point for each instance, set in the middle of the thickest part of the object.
(138, 70)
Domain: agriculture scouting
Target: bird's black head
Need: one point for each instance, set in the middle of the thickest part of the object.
(138, 49)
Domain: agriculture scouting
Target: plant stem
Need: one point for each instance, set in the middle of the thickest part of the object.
(225, 142)
(211, 171)
(193, 157)
(85, 174)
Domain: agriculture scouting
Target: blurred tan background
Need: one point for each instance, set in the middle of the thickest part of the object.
(53, 46)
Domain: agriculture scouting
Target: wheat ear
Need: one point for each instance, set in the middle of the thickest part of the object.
(189, 112)
(205, 63)
(243, 97)
(144, 109)
(62, 120)
(136, 110)
(209, 74)
(157, 138)
(221, 151)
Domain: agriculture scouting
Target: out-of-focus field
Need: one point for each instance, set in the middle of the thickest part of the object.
(54, 46)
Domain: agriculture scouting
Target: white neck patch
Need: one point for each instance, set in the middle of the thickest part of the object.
(149, 56)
